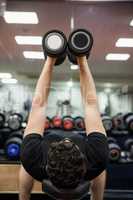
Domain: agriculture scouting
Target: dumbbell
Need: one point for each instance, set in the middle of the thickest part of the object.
(129, 146)
(107, 123)
(15, 120)
(57, 122)
(2, 120)
(68, 123)
(13, 145)
(54, 44)
(4, 135)
(128, 119)
(118, 122)
(114, 150)
(47, 123)
(80, 43)
(79, 123)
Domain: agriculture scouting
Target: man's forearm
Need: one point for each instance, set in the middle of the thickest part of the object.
(44, 81)
(87, 84)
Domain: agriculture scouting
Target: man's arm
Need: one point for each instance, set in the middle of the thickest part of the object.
(97, 187)
(25, 184)
(36, 119)
(93, 120)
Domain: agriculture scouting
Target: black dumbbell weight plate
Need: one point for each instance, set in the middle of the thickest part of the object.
(54, 45)
(15, 121)
(111, 140)
(79, 123)
(2, 120)
(128, 144)
(80, 42)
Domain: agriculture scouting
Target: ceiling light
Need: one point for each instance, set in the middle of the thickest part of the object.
(20, 17)
(124, 42)
(107, 90)
(70, 84)
(72, 23)
(108, 85)
(33, 54)
(131, 23)
(28, 40)
(9, 81)
(117, 56)
(5, 75)
(74, 67)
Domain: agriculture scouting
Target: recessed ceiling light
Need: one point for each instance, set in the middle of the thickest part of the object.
(124, 42)
(117, 56)
(9, 81)
(20, 17)
(108, 85)
(72, 23)
(28, 40)
(70, 83)
(107, 90)
(131, 23)
(5, 75)
(74, 67)
(33, 54)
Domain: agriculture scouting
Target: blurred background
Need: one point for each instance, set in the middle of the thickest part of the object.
(22, 58)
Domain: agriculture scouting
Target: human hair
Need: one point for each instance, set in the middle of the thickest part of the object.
(65, 164)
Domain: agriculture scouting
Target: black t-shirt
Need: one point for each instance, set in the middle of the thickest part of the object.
(35, 147)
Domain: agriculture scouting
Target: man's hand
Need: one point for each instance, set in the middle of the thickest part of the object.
(81, 60)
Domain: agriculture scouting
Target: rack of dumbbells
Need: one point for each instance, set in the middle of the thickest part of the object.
(11, 135)
(119, 129)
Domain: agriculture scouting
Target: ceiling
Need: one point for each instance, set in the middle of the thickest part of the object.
(107, 21)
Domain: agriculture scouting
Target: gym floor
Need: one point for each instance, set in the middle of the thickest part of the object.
(111, 61)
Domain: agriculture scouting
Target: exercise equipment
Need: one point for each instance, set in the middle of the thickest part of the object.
(107, 123)
(79, 43)
(57, 119)
(13, 145)
(47, 123)
(68, 123)
(79, 123)
(57, 122)
(15, 120)
(129, 146)
(2, 120)
(4, 135)
(114, 150)
(128, 119)
(118, 122)
(54, 44)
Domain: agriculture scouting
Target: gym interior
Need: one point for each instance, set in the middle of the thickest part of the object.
(23, 24)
